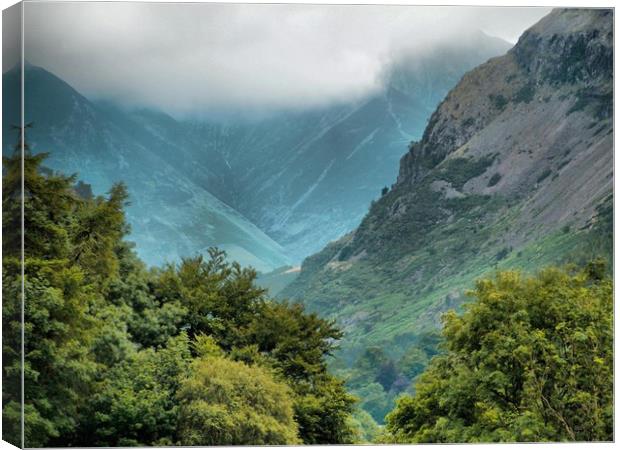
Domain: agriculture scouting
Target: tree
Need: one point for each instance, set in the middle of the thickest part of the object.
(388, 373)
(98, 229)
(226, 402)
(323, 410)
(150, 320)
(71, 332)
(530, 360)
(58, 368)
(296, 344)
(135, 403)
(220, 298)
(223, 302)
(297, 341)
(48, 202)
(414, 362)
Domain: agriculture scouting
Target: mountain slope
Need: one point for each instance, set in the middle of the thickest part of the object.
(297, 174)
(170, 214)
(513, 170)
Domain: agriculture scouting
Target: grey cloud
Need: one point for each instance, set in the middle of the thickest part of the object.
(197, 58)
(11, 36)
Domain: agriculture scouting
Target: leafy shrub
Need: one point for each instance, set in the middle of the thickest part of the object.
(229, 403)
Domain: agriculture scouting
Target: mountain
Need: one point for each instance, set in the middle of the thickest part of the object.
(171, 214)
(514, 170)
(297, 174)
(293, 174)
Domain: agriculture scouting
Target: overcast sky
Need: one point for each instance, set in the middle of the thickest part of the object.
(192, 58)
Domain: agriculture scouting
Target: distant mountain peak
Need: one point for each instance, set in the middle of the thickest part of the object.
(408, 70)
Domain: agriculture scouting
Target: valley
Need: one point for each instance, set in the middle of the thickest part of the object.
(377, 214)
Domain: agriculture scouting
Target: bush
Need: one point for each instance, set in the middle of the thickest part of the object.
(226, 402)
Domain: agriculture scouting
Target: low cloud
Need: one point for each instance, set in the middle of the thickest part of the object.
(202, 58)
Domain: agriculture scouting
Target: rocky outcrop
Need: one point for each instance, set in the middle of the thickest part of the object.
(568, 46)
(568, 52)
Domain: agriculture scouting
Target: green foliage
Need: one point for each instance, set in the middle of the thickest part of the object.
(205, 345)
(220, 298)
(366, 429)
(117, 355)
(223, 302)
(225, 402)
(414, 362)
(98, 229)
(530, 360)
(378, 379)
(135, 401)
(58, 327)
(460, 170)
(323, 412)
(48, 203)
(374, 399)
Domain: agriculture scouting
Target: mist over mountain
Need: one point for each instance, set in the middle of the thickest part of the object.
(170, 214)
(294, 175)
(212, 60)
(298, 175)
